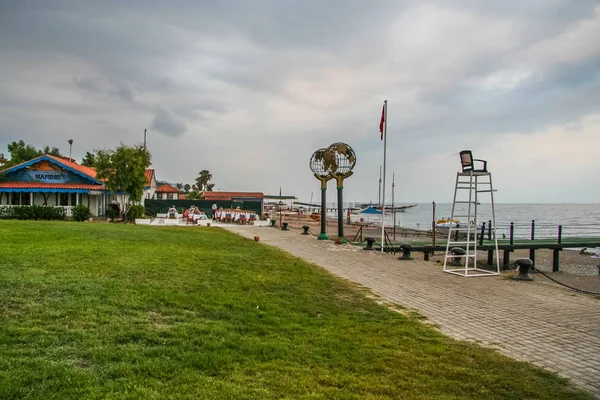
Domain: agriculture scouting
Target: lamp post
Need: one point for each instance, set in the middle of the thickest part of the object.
(339, 160)
(70, 148)
(317, 166)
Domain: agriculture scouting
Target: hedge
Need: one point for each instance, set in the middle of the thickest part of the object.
(32, 212)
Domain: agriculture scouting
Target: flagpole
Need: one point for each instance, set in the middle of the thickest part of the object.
(385, 116)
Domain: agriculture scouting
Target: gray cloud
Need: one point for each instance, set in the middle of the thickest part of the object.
(166, 123)
(282, 78)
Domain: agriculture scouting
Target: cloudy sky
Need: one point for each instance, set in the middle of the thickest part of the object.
(249, 89)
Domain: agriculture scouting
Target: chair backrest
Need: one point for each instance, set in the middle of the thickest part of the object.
(466, 159)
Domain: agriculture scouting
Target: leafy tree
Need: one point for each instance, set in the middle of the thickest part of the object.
(3, 161)
(124, 172)
(187, 187)
(179, 186)
(202, 180)
(193, 195)
(209, 187)
(54, 151)
(21, 152)
(89, 160)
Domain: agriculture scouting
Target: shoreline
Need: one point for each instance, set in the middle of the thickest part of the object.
(571, 261)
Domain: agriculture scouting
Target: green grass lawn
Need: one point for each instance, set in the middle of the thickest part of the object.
(99, 311)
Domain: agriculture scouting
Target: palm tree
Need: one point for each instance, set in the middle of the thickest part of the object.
(179, 186)
(203, 178)
(187, 187)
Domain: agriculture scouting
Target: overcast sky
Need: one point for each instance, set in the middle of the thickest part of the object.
(249, 89)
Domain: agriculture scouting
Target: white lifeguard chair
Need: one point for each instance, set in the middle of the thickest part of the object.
(461, 246)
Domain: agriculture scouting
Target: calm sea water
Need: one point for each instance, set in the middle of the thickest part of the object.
(576, 219)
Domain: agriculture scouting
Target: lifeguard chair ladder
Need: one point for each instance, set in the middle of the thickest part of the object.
(469, 183)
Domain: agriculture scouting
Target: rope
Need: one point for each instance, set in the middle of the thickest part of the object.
(567, 286)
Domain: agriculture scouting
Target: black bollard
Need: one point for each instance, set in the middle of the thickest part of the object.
(306, 228)
(457, 252)
(284, 226)
(405, 249)
(426, 255)
(273, 222)
(524, 264)
(370, 240)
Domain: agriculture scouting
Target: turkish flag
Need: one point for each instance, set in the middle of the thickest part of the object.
(382, 121)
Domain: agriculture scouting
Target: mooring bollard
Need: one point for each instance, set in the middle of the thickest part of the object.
(273, 222)
(524, 264)
(370, 240)
(306, 228)
(405, 248)
(284, 226)
(457, 253)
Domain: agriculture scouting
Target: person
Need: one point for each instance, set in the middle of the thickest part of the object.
(214, 211)
(172, 213)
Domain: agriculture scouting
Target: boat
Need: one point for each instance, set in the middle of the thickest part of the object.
(388, 209)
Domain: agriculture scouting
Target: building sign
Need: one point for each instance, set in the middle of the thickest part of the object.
(95, 192)
(45, 176)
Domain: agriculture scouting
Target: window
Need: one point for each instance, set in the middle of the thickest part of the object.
(15, 199)
(64, 199)
(73, 199)
(25, 199)
(169, 196)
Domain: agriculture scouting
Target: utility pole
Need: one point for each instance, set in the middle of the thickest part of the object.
(145, 139)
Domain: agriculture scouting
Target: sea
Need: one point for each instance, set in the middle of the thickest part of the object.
(576, 220)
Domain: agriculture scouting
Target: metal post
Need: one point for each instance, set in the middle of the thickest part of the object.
(512, 232)
(532, 250)
(323, 234)
(555, 260)
(340, 191)
(482, 234)
(490, 229)
(433, 222)
(556, 252)
(559, 234)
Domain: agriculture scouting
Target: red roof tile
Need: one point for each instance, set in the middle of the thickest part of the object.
(149, 174)
(89, 171)
(229, 195)
(41, 185)
(167, 189)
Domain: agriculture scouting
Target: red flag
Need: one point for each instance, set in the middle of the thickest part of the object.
(382, 121)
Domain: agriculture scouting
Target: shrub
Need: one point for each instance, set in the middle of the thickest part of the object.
(136, 212)
(112, 213)
(80, 213)
(32, 212)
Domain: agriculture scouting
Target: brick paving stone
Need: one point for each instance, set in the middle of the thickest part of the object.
(532, 321)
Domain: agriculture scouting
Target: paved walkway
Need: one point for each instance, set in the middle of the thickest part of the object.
(550, 326)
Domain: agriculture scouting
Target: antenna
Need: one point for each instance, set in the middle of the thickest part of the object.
(70, 148)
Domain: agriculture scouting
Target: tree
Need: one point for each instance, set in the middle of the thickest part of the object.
(3, 161)
(21, 152)
(209, 187)
(124, 172)
(179, 186)
(187, 187)
(203, 178)
(89, 160)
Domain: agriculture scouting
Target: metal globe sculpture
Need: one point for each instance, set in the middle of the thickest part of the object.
(317, 165)
(339, 159)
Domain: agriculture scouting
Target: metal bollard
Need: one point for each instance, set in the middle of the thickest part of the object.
(524, 264)
(306, 228)
(457, 252)
(370, 240)
(405, 248)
